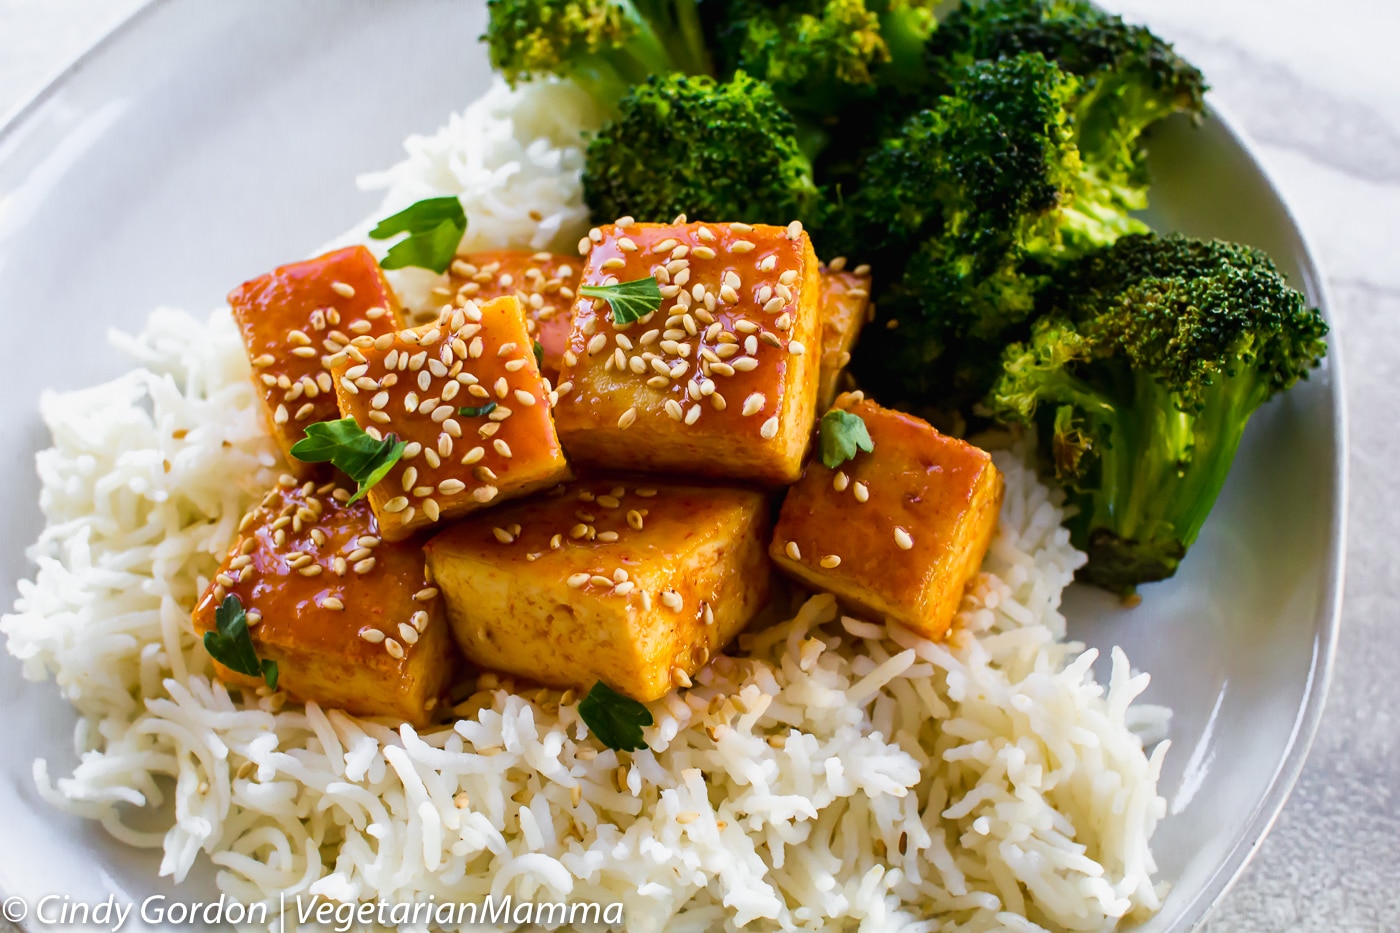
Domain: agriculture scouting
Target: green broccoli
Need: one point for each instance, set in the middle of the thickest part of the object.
(1129, 79)
(821, 55)
(606, 46)
(692, 145)
(1141, 378)
(960, 208)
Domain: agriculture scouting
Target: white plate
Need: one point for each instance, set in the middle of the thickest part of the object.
(203, 143)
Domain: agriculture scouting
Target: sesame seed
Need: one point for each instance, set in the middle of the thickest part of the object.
(394, 648)
(673, 408)
(503, 536)
(408, 633)
(484, 493)
(450, 487)
(831, 561)
(679, 677)
(753, 404)
(396, 504)
(903, 538)
(425, 594)
(861, 492)
(840, 481)
(372, 635)
(364, 566)
(672, 600)
(796, 347)
(502, 447)
(634, 520)
(793, 551)
(525, 398)
(744, 364)
(578, 580)
(741, 246)
(626, 244)
(431, 509)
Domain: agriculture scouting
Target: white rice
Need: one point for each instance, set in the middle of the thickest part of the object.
(514, 157)
(836, 774)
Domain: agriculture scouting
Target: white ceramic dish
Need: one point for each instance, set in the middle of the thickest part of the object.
(198, 146)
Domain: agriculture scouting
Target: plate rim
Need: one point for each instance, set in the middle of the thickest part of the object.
(1309, 716)
(1308, 719)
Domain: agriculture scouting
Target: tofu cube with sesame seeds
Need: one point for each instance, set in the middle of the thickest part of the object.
(544, 284)
(350, 618)
(296, 319)
(845, 310)
(896, 533)
(634, 584)
(721, 380)
(465, 394)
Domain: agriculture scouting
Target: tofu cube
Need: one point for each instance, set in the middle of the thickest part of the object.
(466, 396)
(294, 321)
(721, 381)
(544, 283)
(635, 585)
(845, 310)
(350, 618)
(896, 533)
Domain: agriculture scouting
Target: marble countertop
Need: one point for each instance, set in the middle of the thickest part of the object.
(1318, 88)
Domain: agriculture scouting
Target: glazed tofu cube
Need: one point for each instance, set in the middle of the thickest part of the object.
(720, 381)
(544, 283)
(896, 533)
(296, 319)
(350, 619)
(466, 396)
(634, 585)
(845, 310)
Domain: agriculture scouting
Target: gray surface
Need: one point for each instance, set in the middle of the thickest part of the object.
(1323, 99)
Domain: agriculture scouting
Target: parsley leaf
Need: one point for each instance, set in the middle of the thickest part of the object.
(231, 644)
(539, 355)
(630, 301)
(345, 444)
(616, 720)
(842, 435)
(477, 412)
(434, 227)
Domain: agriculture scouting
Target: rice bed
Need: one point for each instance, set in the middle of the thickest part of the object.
(830, 773)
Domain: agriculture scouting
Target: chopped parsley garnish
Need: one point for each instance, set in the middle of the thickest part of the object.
(842, 435)
(231, 644)
(477, 412)
(630, 301)
(434, 227)
(616, 720)
(539, 355)
(349, 449)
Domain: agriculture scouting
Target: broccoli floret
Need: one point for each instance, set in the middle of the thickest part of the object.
(1141, 378)
(692, 145)
(604, 45)
(966, 200)
(1129, 79)
(821, 55)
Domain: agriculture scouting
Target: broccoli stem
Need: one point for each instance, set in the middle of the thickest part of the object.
(1159, 479)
